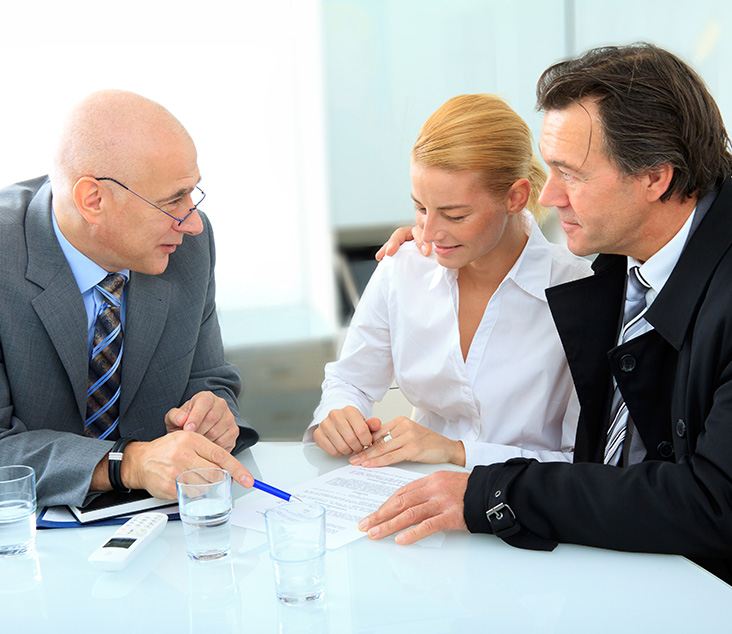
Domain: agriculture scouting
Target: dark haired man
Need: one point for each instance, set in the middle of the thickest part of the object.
(639, 170)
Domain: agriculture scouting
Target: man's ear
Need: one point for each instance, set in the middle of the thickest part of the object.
(657, 182)
(90, 199)
(518, 196)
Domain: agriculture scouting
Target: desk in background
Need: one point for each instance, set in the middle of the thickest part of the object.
(452, 582)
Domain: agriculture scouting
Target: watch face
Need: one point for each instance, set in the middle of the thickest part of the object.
(119, 542)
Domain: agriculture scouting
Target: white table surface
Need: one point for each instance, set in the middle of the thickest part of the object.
(452, 582)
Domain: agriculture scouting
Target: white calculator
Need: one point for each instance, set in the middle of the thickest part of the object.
(129, 540)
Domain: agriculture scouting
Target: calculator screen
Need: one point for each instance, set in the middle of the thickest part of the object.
(119, 542)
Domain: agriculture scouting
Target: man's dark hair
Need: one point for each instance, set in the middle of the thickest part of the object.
(654, 110)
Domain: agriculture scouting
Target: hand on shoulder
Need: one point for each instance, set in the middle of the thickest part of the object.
(399, 237)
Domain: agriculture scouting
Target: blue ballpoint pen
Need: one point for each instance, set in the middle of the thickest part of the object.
(274, 491)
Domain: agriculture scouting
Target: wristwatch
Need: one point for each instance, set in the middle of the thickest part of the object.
(115, 464)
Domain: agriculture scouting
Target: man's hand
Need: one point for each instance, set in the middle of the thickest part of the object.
(208, 415)
(403, 439)
(154, 465)
(345, 431)
(399, 237)
(429, 505)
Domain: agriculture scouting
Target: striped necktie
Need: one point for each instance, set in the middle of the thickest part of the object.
(633, 324)
(105, 363)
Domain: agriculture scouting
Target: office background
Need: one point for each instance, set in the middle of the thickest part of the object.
(304, 113)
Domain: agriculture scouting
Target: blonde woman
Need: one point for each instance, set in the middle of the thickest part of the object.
(466, 332)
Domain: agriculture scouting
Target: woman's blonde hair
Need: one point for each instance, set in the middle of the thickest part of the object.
(481, 133)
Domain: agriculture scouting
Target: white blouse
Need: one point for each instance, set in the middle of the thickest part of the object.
(512, 397)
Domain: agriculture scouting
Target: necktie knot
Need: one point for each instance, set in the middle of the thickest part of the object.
(637, 285)
(635, 297)
(111, 287)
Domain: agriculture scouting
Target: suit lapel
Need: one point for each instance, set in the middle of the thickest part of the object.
(673, 310)
(59, 307)
(148, 303)
(588, 329)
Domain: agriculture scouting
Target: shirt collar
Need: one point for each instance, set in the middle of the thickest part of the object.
(86, 272)
(533, 269)
(657, 269)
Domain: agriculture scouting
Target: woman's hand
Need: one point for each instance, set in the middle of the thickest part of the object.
(399, 237)
(403, 439)
(345, 431)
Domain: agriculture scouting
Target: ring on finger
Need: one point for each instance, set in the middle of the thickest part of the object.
(388, 437)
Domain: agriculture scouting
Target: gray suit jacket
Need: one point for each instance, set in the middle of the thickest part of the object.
(173, 348)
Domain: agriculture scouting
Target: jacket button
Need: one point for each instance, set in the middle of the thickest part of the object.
(680, 428)
(627, 363)
(665, 449)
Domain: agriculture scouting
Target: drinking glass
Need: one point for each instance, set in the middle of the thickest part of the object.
(296, 537)
(17, 510)
(204, 503)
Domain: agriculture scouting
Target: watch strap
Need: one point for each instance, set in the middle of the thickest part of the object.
(114, 458)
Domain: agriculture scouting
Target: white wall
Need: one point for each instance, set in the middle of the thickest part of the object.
(245, 78)
(696, 31)
(391, 63)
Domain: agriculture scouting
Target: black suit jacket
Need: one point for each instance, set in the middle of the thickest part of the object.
(677, 383)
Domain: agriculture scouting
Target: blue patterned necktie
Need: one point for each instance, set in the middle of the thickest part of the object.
(105, 363)
(633, 323)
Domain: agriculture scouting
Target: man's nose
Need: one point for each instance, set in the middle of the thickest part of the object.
(191, 225)
(554, 193)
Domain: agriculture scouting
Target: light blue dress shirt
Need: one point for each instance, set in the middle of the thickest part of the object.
(87, 275)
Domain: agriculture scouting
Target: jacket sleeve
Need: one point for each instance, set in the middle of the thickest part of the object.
(63, 462)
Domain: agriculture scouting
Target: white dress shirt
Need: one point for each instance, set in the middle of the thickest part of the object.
(512, 397)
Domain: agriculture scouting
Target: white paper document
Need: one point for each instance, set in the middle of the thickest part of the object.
(348, 494)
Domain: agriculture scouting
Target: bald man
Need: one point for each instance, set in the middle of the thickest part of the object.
(122, 199)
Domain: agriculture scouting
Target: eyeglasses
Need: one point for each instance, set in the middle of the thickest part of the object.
(197, 196)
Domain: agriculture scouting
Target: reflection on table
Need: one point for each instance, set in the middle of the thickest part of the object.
(451, 582)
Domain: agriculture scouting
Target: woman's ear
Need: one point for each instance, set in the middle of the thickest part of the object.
(518, 196)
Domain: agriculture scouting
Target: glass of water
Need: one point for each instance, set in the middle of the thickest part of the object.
(296, 536)
(204, 504)
(17, 510)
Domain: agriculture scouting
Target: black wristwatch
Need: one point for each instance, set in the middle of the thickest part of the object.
(115, 463)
